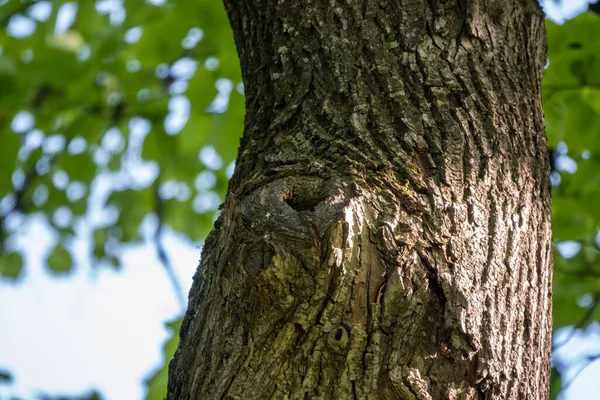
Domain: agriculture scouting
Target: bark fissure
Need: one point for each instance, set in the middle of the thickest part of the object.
(386, 233)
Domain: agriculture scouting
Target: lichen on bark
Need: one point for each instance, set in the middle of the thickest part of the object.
(386, 234)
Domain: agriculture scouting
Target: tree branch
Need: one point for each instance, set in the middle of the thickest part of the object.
(162, 253)
(586, 318)
(589, 360)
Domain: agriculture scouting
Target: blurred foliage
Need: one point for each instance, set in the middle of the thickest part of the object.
(157, 383)
(131, 110)
(571, 99)
(555, 383)
(113, 112)
(144, 97)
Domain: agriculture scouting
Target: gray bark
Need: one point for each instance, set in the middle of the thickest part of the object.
(387, 230)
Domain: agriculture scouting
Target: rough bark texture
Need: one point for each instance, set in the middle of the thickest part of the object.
(387, 230)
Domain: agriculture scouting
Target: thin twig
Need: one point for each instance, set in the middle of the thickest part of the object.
(588, 361)
(162, 253)
(586, 318)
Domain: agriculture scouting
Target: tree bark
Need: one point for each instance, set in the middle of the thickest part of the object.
(387, 230)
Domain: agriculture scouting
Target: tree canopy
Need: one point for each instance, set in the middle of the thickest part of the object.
(112, 112)
(146, 96)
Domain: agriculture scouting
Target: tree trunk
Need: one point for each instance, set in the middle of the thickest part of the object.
(387, 230)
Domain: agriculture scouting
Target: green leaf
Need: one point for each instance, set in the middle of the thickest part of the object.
(201, 89)
(181, 217)
(569, 221)
(574, 283)
(159, 146)
(79, 167)
(573, 117)
(574, 206)
(100, 238)
(5, 377)
(94, 396)
(566, 312)
(195, 134)
(133, 206)
(555, 383)
(229, 127)
(573, 52)
(11, 264)
(9, 143)
(8, 79)
(157, 383)
(60, 261)
(156, 46)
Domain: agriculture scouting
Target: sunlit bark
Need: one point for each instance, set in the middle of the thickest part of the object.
(387, 230)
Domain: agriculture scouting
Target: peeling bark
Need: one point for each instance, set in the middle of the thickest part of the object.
(387, 230)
